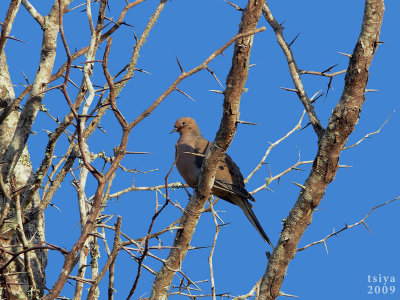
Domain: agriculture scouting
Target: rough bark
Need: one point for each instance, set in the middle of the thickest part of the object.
(341, 124)
(33, 221)
(50, 29)
(19, 207)
(234, 88)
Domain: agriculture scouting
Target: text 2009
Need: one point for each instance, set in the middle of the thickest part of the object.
(381, 290)
(381, 284)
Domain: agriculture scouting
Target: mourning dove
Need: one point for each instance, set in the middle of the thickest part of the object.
(229, 182)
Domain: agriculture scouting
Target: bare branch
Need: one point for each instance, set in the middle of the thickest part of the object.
(294, 70)
(335, 233)
(146, 247)
(234, 88)
(210, 257)
(200, 67)
(261, 163)
(38, 17)
(111, 258)
(341, 124)
(8, 23)
(369, 134)
(278, 176)
(323, 73)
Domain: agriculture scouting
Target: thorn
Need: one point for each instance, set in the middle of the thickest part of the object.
(47, 131)
(290, 90)
(143, 71)
(135, 36)
(179, 64)
(326, 247)
(312, 98)
(133, 152)
(13, 38)
(52, 205)
(371, 90)
(235, 6)
(216, 91)
(345, 54)
(287, 295)
(126, 24)
(185, 94)
(299, 185)
(366, 226)
(329, 87)
(252, 65)
(380, 42)
(319, 96)
(195, 154)
(213, 74)
(315, 95)
(245, 122)
(329, 69)
(26, 79)
(345, 166)
(111, 20)
(269, 189)
(101, 129)
(295, 38)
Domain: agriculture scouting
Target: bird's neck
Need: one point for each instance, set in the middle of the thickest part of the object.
(189, 136)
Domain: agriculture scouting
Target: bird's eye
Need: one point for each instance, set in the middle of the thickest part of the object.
(183, 123)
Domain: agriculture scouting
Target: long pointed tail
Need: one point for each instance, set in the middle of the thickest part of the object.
(245, 206)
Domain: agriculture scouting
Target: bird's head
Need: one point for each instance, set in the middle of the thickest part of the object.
(186, 125)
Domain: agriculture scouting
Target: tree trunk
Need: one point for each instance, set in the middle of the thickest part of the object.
(15, 279)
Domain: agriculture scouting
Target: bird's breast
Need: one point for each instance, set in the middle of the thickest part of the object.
(188, 164)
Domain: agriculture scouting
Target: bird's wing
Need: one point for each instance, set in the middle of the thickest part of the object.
(201, 146)
(228, 177)
(237, 181)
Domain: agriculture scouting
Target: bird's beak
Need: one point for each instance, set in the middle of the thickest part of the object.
(174, 130)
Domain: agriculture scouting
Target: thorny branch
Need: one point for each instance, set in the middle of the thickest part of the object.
(331, 142)
(234, 88)
(335, 233)
(146, 246)
(262, 162)
(111, 258)
(294, 71)
(368, 135)
(210, 257)
(94, 219)
(8, 22)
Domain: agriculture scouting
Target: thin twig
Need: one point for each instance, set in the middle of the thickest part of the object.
(271, 146)
(335, 233)
(294, 70)
(111, 258)
(369, 134)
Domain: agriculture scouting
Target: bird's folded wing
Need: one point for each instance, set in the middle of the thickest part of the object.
(233, 189)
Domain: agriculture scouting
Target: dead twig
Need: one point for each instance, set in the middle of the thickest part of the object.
(335, 233)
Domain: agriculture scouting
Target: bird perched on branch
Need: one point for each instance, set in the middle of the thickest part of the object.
(229, 181)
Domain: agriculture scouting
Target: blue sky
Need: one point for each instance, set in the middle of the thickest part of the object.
(191, 31)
